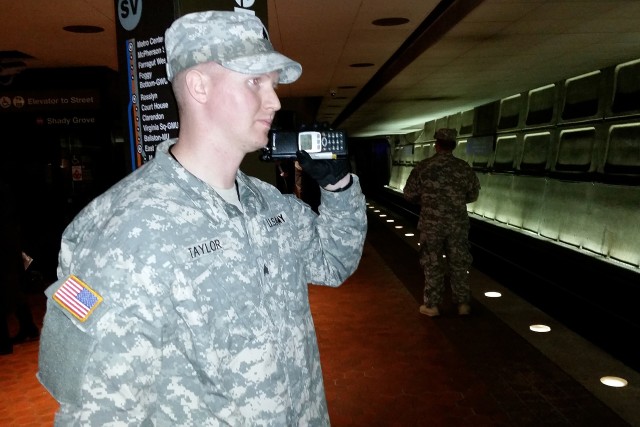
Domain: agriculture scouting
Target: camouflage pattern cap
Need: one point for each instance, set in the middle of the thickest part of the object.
(446, 134)
(236, 40)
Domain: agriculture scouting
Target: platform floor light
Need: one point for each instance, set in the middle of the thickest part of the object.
(614, 381)
(540, 328)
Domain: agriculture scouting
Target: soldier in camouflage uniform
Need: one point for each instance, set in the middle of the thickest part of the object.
(182, 293)
(443, 185)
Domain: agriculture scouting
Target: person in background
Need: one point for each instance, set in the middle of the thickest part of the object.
(443, 185)
(182, 297)
(13, 298)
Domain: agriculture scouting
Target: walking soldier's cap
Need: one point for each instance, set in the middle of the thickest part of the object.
(446, 134)
(236, 40)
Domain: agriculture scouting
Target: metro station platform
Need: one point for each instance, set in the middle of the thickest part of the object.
(387, 365)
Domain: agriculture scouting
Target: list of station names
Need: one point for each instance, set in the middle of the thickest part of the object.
(152, 113)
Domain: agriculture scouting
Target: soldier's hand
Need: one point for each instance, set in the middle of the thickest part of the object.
(325, 172)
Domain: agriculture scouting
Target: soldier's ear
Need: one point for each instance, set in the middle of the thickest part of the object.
(196, 85)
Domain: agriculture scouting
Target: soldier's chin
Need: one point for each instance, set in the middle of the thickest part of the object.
(260, 146)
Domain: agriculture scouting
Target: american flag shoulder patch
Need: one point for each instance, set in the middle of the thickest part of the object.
(77, 298)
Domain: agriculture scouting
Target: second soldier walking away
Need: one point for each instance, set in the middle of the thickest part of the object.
(443, 185)
(182, 292)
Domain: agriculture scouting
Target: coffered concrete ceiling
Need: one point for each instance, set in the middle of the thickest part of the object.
(450, 56)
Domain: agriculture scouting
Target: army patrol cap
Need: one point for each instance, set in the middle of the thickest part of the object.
(236, 40)
(446, 134)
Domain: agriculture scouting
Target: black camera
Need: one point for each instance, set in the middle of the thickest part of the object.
(324, 144)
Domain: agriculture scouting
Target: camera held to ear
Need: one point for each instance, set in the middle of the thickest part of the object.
(324, 144)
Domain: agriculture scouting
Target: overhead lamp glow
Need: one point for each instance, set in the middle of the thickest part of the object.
(539, 328)
(383, 215)
(390, 220)
(377, 210)
(614, 381)
(409, 234)
(492, 294)
(398, 226)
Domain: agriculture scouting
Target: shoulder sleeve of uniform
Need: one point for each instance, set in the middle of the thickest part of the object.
(410, 187)
(336, 243)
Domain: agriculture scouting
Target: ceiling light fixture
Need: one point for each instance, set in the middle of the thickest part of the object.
(389, 22)
(83, 29)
